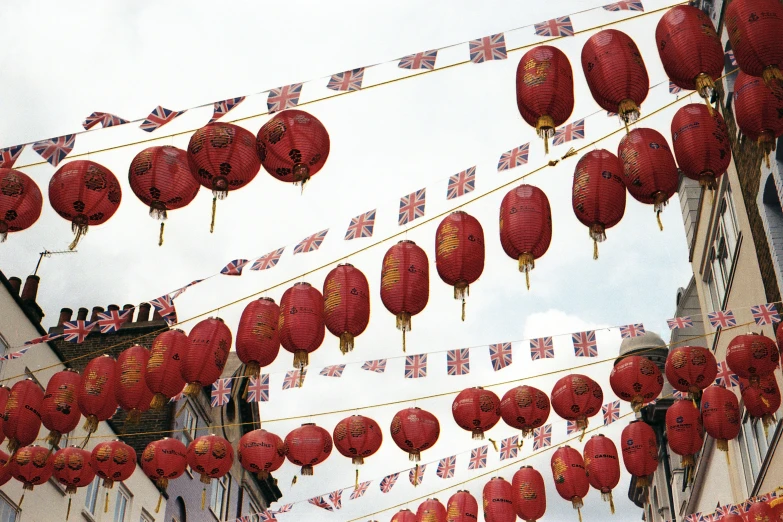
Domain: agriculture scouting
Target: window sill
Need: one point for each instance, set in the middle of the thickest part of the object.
(87, 515)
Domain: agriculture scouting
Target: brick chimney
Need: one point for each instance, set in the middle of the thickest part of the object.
(112, 307)
(81, 314)
(65, 315)
(130, 315)
(144, 313)
(29, 294)
(95, 311)
(16, 284)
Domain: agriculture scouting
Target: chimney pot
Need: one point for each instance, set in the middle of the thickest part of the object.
(65, 315)
(112, 307)
(156, 316)
(30, 290)
(81, 314)
(130, 315)
(95, 311)
(144, 313)
(16, 284)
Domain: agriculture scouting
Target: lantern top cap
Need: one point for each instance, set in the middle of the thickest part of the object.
(67, 370)
(405, 241)
(308, 424)
(266, 299)
(525, 467)
(302, 283)
(215, 318)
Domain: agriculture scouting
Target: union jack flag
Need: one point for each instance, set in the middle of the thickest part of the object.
(377, 366)
(571, 427)
(722, 319)
(541, 348)
(693, 517)
(488, 48)
(542, 437)
(514, 158)
(9, 155)
(726, 377)
(284, 97)
(77, 331)
(388, 482)
(478, 458)
(679, 322)
(164, 305)
(765, 314)
(611, 412)
(268, 261)
(361, 226)
(446, 467)
(320, 502)
(416, 366)
(220, 108)
(311, 243)
(221, 392)
(732, 59)
(234, 268)
(678, 395)
(360, 490)
(14, 355)
(500, 355)
(424, 60)
(104, 118)
(585, 344)
(509, 448)
(674, 89)
(178, 396)
(111, 321)
(347, 81)
(461, 184)
(159, 117)
(43, 339)
(712, 517)
(458, 361)
(267, 516)
(725, 511)
(179, 291)
(335, 370)
(336, 498)
(294, 379)
(258, 388)
(624, 6)
(412, 206)
(417, 477)
(555, 27)
(573, 131)
(54, 150)
(631, 330)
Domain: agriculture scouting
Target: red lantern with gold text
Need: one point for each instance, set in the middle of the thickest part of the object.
(21, 202)
(459, 253)
(132, 393)
(258, 341)
(752, 356)
(684, 430)
(161, 179)
(414, 430)
(431, 510)
(525, 226)
(525, 408)
(32, 466)
(71, 467)
(301, 322)
(615, 73)
(23, 414)
(210, 342)
(5, 470)
(5, 391)
(261, 452)
(598, 195)
(568, 470)
(405, 283)
(701, 144)
(211, 457)
(346, 304)
(164, 367)
(96, 397)
(163, 460)
(720, 414)
(307, 446)
(576, 397)
(777, 509)
(113, 461)
(637, 380)
(760, 512)
(761, 401)
(86, 194)
(602, 466)
(754, 28)
(60, 410)
(640, 451)
(476, 410)
(357, 437)
(462, 507)
(498, 506)
(690, 369)
(293, 146)
(404, 515)
(545, 90)
(757, 110)
(222, 157)
(528, 494)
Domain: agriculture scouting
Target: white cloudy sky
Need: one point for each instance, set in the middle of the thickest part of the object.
(62, 62)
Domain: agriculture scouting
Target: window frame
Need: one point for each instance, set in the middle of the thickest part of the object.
(122, 493)
(224, 483)
(92, 493)
(6, 501)
(189, 429)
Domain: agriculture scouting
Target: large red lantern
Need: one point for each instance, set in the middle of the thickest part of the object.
(132, 392)
(459, 253)
(404, 515)
(405, 283)
(498, 506)
(414, 430)
(5, 469)
(684, 430)
(525, 226)
(293, 146)
(301, 322)
(307, 446)
(701, 144)
(163, 460)
(211, 457)
(476, 410)
(261, 452)
(525, 408)
(20, 202)
(258, 341)
(545, 90)
(462, 507)
(161, 179)
(164, 367)
(568, 470)
(720, 414)
(222, 157)
(86, 194)
(357, 437)
(113, 461)
(431, 510)
(754, 28)
(60, 410)
(760, 512)
(71, 467)
(615, 73)
(346, 304)
(752, 356)
(761, 401)
(96, 397)
(210, 342)
(576, 397)
(5, 391)
(598, 196)
(640, 451)
(32, 466)
(757, 111)
(22, 416)
(528, 494)
(637, 380)
(602, 466)
(690, 369)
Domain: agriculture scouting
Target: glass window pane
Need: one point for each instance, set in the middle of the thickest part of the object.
(752, 447)
(8, 512)
(120, 507)
(92, 496)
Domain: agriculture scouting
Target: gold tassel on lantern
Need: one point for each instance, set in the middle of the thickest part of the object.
(628, 111)
(214, 210)
(766, 143)
(346, 342)
(158, 401)
(461, 291)
(252, 369)
(494, 444)
(416, 475)
(582, 423)
(659, 202)
(203, 498)
(772, 76)
(598, 235)
(577, 503)
(53, 439)
(307, 471)
(160, 238)
(404, 324)
(134, 416)
(526, 263)
(301, 359)
(607, 497)
(192, 389)
(160, 499)
(545, 128)
(68, 512)
(78, 227)
(356, 480)
(414, 456)
(106, 504)
(705, 87)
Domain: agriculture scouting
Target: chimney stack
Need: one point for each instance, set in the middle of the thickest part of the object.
(113, 307)
(81, 314)
(95, 311)
(65, 315)
(30, 288)
(16, 284)
(144, 313)
(130, 315)
(156, 316)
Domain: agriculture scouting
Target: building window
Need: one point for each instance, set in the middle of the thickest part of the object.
(720, 266)
(189, 425)
(8, 510)
(217, 501)
(146, 517)
(754, 444)
(92, 496)
(122, 505)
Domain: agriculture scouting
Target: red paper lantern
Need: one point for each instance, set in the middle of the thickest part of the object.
(32, 466)
(404, 515)
(258, 341)
(777, 510)
(684, 430)
(301, 323)
(346, 304)
(640, 451)
(756, 109)
(431, 510)
(85, 193)
(462, 507)
(568, 470)
(498, 506)
(161, 179)
(293, 146)
(210, 456)
(721, 415)
(414, 430)
(5, 469)
(754, 28)
(701, 144)
(459, 253)
(733, 518)
(752, 356)
(222, 157)
(615, 73)
(164, 460)
(210, 342)
(762, 401)
(525, 408)
(602, 466)
(528, 494)
(525, 226)
(5, 391)
(113, 461)
(307, 446)
(132, 393)
(545, 90)
(20, 202)
(71, 468)
(476, 410)
(60, 410)
(576, 397)
(261, 452)
(96, 397)
(23, 414)
(164, 367)
(760, 512)
(405, 283)
(637, 380)
(691, 369)
(357, 437)
(598, 196)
